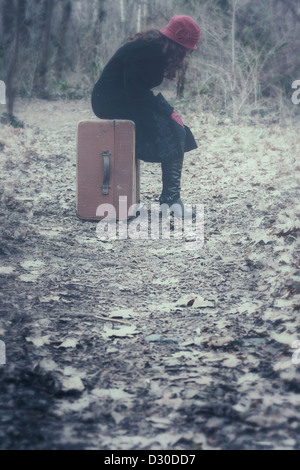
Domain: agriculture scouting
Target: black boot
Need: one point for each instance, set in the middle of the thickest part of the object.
(171, 177)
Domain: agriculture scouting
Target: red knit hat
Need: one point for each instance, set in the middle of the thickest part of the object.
(183, 30)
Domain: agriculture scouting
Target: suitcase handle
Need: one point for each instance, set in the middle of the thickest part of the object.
(105, 185)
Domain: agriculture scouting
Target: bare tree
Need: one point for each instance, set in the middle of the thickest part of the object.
(8, 22)
(24, 31)
(141, 16)
(233, 54)
(99, 21)
(10, 90)
(42, 69)
(61, 37)
(181, 81)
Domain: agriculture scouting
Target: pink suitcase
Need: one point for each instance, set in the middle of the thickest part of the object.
(106, 167)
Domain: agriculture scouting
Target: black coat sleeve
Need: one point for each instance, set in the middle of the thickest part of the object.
(143, 70)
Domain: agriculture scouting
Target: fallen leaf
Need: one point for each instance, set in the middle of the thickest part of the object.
(48, 364)
(32, 265)
(231, 361)
(284, 338)
(251, 378)
(153, 338)
(6, 270)
(29, 277)
(113, 393)
(39, 341)
(69, 343)
(72, 383)
(119, 332)
(49, 298)
(219, 341)
(193, 300)
(282, 365)
(167, 400)
(123, 313)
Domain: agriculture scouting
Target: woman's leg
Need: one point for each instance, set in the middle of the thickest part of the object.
(171, 179)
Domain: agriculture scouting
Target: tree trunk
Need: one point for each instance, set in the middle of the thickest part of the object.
(233, 60)
(8, 15)
(61, 47)
(40, 79)
(98, 25)
(24, 31)
(10, 92)
(139, 17)
(122, 11)
(233, 52)
(181, 81)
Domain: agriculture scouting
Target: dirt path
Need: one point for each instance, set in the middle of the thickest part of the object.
(147, 344)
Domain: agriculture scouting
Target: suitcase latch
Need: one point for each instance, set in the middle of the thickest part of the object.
(105, 185)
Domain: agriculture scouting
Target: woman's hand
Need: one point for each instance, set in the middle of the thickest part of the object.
(175, 116)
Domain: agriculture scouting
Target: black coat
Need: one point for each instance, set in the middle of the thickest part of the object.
(123, 91)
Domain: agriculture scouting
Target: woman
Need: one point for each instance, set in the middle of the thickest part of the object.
(123, 91)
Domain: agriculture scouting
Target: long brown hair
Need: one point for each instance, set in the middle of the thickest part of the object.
(174, 53)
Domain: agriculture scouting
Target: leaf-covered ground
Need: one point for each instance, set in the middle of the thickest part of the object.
(151, 344)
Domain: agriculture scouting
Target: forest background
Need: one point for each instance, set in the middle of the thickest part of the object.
(246, 63)
(159, 343)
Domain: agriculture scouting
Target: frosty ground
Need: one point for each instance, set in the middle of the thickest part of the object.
(147, 344)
